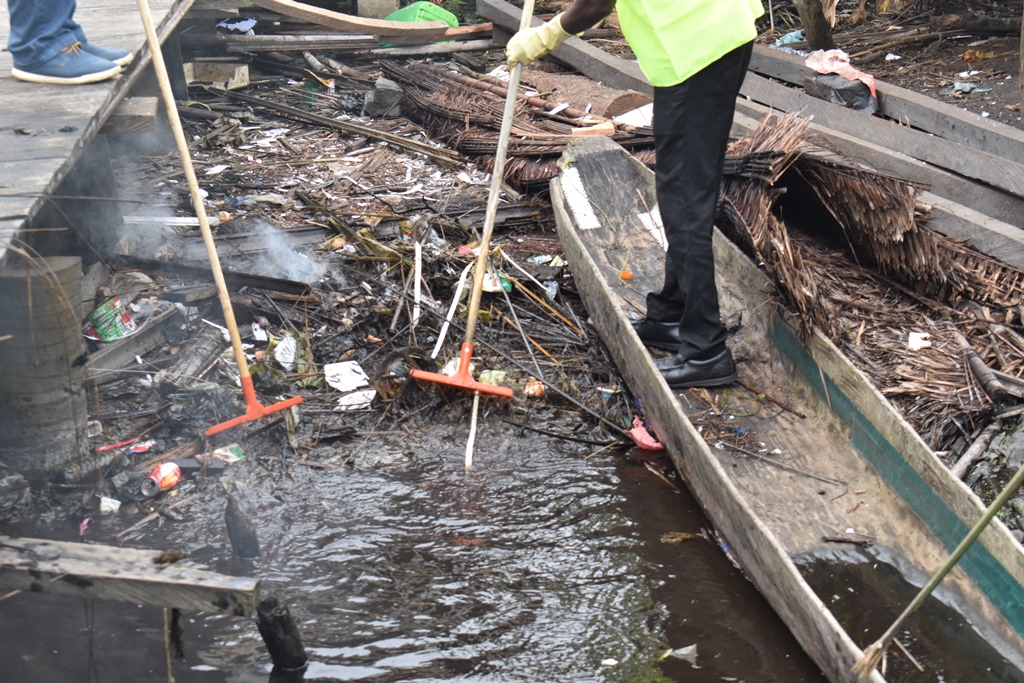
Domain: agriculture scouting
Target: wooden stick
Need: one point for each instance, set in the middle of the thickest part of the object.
(976, 450)
(782, 465)
(768, 397)
(416, 288)
(153, 515)
(472, 431)
(873, 655)
(543, 304)
(167, 646)
(451, 311)
(654, 470)
(558, 435)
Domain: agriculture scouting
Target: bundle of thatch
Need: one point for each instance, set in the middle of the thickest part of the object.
(850, 253)
(468, 119)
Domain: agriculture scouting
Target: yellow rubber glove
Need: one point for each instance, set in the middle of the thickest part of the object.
(529, 45)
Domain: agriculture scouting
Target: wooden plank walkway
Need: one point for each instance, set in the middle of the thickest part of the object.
(44, 129)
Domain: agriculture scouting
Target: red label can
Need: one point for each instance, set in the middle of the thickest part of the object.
(164, 476)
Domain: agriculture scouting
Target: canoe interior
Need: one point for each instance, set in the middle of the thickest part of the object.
(840, 465)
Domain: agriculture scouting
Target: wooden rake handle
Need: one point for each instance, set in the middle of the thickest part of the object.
(496, 180)
(193, 185)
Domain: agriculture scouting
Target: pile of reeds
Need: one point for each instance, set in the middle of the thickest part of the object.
(852, 256)
(465, 113)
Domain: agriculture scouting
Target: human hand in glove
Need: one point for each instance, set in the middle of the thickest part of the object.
(530, 44)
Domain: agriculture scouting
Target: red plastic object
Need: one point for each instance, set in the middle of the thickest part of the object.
(462, 379)
(254, 410)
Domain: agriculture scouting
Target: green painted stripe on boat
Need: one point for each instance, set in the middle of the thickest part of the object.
(986, 571)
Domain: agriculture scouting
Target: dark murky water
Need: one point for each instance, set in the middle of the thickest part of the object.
(539, 565)
(937, 637)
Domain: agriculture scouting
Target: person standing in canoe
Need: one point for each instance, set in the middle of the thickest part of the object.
(695, 53)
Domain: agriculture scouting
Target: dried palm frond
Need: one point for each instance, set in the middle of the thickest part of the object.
(841, 286)
(775, 142)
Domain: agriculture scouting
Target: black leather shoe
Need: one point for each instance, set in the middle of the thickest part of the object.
(658, 334)
(681, 373)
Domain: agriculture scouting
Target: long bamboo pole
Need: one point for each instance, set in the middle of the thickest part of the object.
(873, 655)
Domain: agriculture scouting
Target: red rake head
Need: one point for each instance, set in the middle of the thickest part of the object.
(253, 409)
(462, 379)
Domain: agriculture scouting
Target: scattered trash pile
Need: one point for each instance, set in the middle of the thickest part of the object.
(164, 372)
(347, 232)
(346, 245)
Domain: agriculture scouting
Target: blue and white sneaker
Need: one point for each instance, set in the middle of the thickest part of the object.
(117, 55)
(71, 66)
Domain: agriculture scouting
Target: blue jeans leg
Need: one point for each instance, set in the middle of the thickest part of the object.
(40, 29)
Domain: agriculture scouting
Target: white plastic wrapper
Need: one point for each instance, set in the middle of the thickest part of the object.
(345, 376)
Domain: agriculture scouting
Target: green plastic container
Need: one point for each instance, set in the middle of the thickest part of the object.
(424, 11)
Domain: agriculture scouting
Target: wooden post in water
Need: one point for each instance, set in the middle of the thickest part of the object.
(280, 634)
(42, 395)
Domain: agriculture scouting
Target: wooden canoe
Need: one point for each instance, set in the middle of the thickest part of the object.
(838, 512)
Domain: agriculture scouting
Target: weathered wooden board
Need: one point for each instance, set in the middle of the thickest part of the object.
(971, 163)
(285, 43)
(910, 506)
(909, 108)
(123, 574)
(103, 366)
(469, 32)
(132, 115)
(353, 24)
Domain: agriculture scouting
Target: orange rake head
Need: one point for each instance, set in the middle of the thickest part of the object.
(462, 379)
(253, 409)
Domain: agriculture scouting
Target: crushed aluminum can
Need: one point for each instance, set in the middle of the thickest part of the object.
(109, 322)
(162, 477)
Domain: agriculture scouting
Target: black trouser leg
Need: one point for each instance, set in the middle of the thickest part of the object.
(691, 131)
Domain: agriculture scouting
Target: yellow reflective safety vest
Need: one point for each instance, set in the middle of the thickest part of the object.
(674, 39)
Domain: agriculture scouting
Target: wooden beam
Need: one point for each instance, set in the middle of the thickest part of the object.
(909, 108)
(347, 22)
(226, 75)
(132, 115)
(105, 365)
(284, 43)
(587, 59)
(221, 4)
(470, 32)
(122, 574)
(431, 49)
